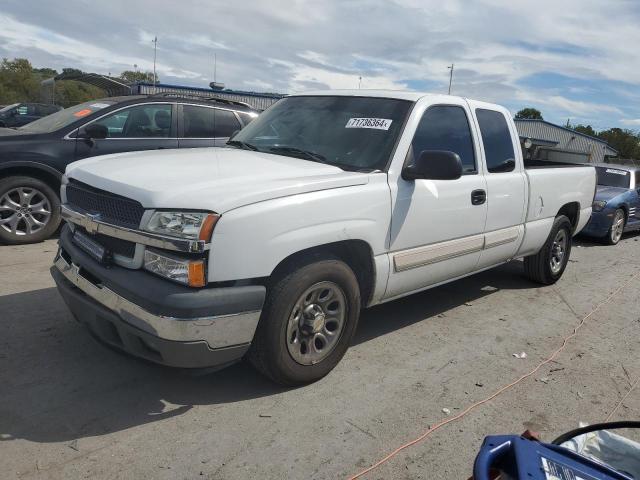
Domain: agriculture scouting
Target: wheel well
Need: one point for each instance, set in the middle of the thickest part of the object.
(572, 212)
(355, 253)
(48, 178)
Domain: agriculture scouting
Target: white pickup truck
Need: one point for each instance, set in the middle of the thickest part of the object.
(327, 203)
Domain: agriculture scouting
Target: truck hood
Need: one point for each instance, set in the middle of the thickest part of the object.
(607, 193)
(216, 179)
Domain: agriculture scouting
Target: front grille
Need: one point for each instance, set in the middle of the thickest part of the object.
(112, 208)
(112, 244)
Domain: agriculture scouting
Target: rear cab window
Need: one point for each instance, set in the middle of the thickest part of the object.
(496, 138)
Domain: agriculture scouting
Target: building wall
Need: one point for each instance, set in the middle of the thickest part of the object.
(567, 139)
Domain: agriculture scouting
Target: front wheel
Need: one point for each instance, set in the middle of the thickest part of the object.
(617, 228)
(29, 210)
(307, 323)
(547, 266)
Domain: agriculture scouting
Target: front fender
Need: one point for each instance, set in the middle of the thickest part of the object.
(31, 163)
(250, 241)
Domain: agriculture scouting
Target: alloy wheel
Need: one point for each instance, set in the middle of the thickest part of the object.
(617, 227)
(24, 211)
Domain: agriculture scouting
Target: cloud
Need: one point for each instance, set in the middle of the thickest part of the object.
(633, 122)
(294, 45)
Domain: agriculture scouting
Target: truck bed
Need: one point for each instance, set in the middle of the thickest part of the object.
(533, 164)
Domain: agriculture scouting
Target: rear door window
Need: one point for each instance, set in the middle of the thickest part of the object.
(140, 121)
(225, 123)
(446, 127)
(496, 138)
(207, 122)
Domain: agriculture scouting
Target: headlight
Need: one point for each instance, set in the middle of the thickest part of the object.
(193, 225)
(598, 205)
(186, 271)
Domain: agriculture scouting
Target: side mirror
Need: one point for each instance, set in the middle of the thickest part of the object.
(434, 165)
(95, 131)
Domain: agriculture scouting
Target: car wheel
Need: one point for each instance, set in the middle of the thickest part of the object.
(617, 227)
(29, 210)
(547, 266)
(307, 323)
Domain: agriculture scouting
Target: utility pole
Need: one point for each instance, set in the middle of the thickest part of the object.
(215, 66)
(155, 48)
(450, 76)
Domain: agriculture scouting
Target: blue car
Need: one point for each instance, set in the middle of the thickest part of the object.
(616, 206)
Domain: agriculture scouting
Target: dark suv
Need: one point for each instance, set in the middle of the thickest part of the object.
(34, 157)
(19, 114)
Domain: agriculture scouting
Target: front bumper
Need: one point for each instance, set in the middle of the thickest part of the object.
(599, 223)
(175, 326)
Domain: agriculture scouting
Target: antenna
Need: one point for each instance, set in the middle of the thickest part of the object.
(450, 76)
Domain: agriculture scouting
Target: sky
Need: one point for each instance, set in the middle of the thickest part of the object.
(571, 59)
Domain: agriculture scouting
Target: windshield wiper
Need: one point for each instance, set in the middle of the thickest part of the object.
(308, 154)
(243, 145)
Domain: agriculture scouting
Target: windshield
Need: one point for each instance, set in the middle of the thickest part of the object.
(8, 107)
(65, 117)
(354, 133)
(613, 177)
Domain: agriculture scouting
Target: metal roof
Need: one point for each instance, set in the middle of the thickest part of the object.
(595, 139)
(112, 86)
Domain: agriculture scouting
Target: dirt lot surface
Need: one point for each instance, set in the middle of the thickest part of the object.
(70, 408)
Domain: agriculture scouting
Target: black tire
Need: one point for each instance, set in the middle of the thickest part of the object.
(21, 233)
(613, 236)
(538, 267)
(269, 352)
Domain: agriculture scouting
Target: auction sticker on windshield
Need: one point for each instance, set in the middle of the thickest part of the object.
(617, 172)
(377, 123)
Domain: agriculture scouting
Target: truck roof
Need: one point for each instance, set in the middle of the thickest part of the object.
(397, 94)
(400, 95)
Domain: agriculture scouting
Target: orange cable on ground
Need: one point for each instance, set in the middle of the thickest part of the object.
(475, 405)
(621, 400)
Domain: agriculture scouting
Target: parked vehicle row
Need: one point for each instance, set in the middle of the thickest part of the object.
(33, 157)
(19, 114)
(327, 203)
(616, 206)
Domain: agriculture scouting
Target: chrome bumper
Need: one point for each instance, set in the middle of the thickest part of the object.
(219, 331)
(93, 224)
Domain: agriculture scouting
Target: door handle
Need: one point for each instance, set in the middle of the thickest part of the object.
(478, 197)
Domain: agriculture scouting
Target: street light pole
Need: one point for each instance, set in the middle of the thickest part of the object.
(155, 48)
(450, 76)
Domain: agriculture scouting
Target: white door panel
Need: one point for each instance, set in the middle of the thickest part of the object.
(436, 231)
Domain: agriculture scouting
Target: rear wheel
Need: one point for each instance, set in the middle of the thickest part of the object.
(617, 227)
(29, 210)
(547, 266)
(308, 320)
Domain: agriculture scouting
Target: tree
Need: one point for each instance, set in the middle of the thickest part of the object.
(133, 77)
(529, 113)
(627, 142)
(585, 129)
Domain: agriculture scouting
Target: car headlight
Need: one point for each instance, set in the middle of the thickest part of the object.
(598, 205)
(192, 225)
(183, 270)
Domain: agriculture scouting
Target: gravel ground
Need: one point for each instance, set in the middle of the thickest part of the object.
(70, 408)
